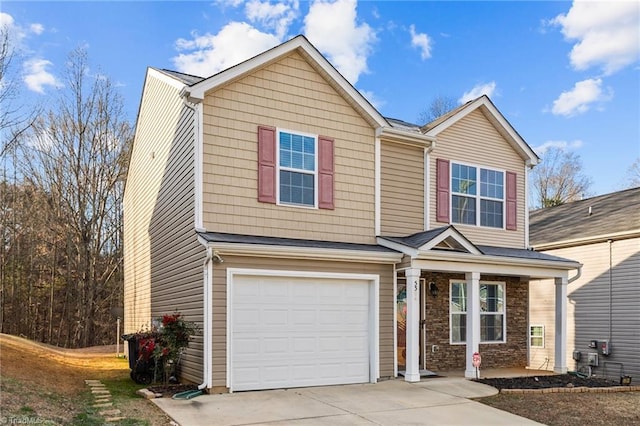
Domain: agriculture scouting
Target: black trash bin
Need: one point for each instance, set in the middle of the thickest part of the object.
(142, 370)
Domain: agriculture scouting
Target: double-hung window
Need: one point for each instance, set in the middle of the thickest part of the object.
(477, 196)
(492, 312)
(297, 168)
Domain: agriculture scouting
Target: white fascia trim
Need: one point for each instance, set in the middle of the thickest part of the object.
(588, 240)
(497, 260)
(165, 78)
(451, 232)
(198, 169)
(377, 193)
(198, 90)
(289, 252)
(409, 251)
(426, 192)
(408, 138)
(530, 156)
(374, 318)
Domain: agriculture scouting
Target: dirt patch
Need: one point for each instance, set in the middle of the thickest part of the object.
(169, 390)
(44, 383)
(572, 409)
(545, 382)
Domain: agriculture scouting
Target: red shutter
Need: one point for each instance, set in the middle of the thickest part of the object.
(325, 173)
(267, 164)
(512, 201)
(442, 190)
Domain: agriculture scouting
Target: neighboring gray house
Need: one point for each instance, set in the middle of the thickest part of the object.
(602, 233)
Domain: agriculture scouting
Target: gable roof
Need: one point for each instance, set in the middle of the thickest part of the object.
(484, 104)
(590, 220)
(196, 92)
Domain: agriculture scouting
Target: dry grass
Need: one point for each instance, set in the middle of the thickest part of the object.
(572, 409)
(45, 383)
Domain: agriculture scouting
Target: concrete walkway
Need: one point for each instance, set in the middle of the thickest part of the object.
(437, 401)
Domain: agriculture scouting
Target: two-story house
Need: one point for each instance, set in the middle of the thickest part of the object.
(319, 242)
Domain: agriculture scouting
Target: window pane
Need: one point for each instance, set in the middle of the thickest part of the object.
(491, 327)
(463, 210)
(309, 162)
(297, 188)
(296, 143)
(491, 213)
(296, 160)
(491, 184)
(463, 179)
(458, 297)
(491, 298)
(309, 145)
(285, 141)
(536, 342)
(459, 328)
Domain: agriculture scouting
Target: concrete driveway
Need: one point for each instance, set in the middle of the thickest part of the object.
(437, 401)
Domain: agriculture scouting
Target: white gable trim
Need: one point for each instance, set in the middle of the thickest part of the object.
(451, 232)
(152, 72)
(497, 119)
(197, 91)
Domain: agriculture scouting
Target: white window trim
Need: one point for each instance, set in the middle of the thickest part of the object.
(315, 172)
(531, 336)
(477, 197)
(504, 314)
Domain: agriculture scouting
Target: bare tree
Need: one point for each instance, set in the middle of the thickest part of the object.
(632, 177)
(439, 106)
(76, 155)
(558, 179)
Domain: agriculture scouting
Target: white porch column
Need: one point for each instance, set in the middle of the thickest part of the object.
(560, 355)
(412, 373)
(473, 321)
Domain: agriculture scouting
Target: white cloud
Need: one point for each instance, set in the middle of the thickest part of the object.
(563, 145)
(607, 34)
(208, 54)
(333, 28)
(373, 99)
(276, 17)
(37, 28)
(579, 99)
(230, 3)
(477, 91)
(36, 76)
(421, 41)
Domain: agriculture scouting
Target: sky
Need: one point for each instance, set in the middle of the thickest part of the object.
(564, 74)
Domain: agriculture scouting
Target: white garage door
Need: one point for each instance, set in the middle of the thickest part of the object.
(293, 332)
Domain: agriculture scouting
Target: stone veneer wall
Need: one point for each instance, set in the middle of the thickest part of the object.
(513, 353)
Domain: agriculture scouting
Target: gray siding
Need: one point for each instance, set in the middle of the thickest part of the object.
(589, 316)
(176, 255)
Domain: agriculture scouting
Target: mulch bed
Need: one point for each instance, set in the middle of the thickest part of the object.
(168, 391)
(544, 382)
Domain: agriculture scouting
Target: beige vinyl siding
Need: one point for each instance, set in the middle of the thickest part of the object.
(475, 141)
(176, 255)
(588, 305)
(291, 95)
(159, 111)
(220, 299)
(401, 189)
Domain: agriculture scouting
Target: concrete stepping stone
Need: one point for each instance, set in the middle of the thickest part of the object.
(103, 405)
(113, 412)
(114, 419)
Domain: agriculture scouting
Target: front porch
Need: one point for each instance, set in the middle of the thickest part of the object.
(455, 301)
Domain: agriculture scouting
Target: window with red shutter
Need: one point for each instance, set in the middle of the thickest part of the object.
(512, 201)
(442, 190)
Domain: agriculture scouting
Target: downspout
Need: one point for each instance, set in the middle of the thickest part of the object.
(610, 291)
(576, 276)
(207, 318)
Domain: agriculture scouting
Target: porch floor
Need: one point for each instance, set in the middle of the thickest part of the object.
(490, 373)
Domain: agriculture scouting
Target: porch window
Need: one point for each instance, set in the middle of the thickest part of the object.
(492, 312)
(536, 336)
(458, 312)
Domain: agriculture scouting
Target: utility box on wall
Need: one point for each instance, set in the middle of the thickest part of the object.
(592, 359)
(605, 347)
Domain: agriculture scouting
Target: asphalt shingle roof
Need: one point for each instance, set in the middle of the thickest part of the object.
(601, 215)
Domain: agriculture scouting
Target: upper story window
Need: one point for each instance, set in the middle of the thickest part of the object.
(474, 195)
(477, 196)
(297, 168)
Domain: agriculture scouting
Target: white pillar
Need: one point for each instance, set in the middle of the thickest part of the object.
(561, 326)
(473, 321)
(412, 373)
